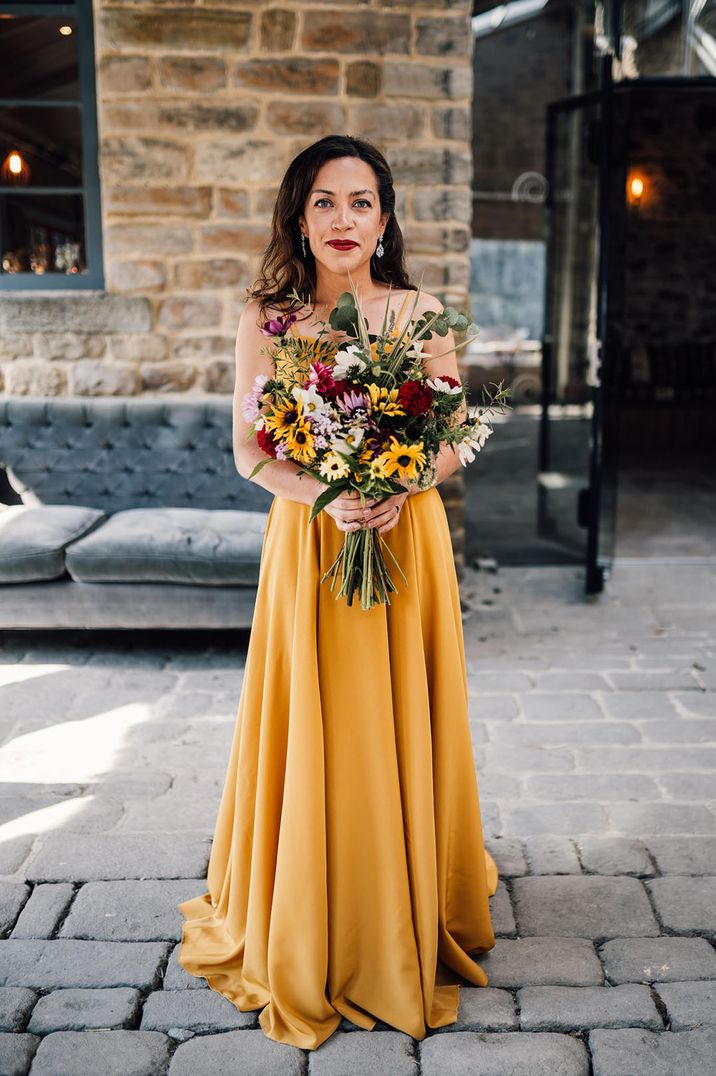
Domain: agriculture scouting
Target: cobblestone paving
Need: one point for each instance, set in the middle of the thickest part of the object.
(594, 727)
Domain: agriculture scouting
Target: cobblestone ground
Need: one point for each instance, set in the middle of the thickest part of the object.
(595, 739)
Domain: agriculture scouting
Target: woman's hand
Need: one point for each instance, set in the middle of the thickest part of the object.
(350, 515)
(348, 511)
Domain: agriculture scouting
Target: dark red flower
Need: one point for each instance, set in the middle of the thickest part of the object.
(415, 398)
(266, 441)
(322, 379)
(338, 388)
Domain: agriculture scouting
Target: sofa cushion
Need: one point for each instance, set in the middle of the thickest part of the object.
(220, 547)
(33, 538)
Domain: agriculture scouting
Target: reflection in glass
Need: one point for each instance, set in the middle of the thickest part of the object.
(42, 233)
(38, 59)
(48, 138)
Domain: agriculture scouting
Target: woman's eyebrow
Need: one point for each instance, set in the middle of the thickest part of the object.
(322, 190)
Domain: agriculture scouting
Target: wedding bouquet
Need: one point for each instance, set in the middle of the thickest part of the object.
(363, 414)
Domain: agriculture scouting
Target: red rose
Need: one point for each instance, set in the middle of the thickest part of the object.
(266, 441)
(415, 398)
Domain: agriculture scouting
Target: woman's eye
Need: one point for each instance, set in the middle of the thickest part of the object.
(363, 200)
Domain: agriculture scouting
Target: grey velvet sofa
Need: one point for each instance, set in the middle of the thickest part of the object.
(130, 514)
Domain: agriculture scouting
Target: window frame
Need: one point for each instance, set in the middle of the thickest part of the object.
(93, 278)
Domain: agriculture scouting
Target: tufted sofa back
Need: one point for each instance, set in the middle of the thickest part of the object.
(124, 452)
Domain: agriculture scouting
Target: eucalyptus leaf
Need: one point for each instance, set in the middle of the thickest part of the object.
(259, 465)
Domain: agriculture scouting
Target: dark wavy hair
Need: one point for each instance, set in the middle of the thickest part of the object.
(283, 266)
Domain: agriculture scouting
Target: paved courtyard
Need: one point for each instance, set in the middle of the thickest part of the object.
(594, 724)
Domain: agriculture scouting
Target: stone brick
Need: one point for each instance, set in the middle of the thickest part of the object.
(93, 858)
(435, 238)
(569, 732)
(453, 122)
(372, 32)
(441, 205)
(507, 758)
(289, 75)
(373, 121)
(194, 29)
(684, 854)
(192, 74)
(552, 855)
(551, 707)
(180, 115)
(113, 1053)
(363, 79)
(585, 907)
(483, 1008)
(16, 1003)
(645, 759)
(643, 819)
(539, 961)
(69, 345)
(686, 786)
(484, 1054)
(16, 345)
(143, 910)
(550, 818)
(13, 853)
(189, 312)
(242, 1053)
(98, 313)
(137, 347)
(309, 117)
(16, 1053)
(652, 960)
(508, 855)
(238, 160)
(203, 347)
(638, 706)
(277, 29)
(124, 157)
(200, 1011)
(212, 273)
(176, 201)
(44, 965)
(422, 80)
(125, 74)
(593, 786)
(90, 378)
(137, 275)
(569, 1008)
(614, 855)
(503, 921)
(176, 978)
(218, 377)
(689, 1005)
(43, 911)
(237, 238)
(27, 377)
(652, 1053)
(231, 203)
(443, 36)
(83, 1010)
(150, 238)
(685, 904)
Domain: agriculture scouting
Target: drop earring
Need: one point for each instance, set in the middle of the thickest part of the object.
(303, 244)
(380, 250)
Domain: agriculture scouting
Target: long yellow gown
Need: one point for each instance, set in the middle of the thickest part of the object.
(348, 875)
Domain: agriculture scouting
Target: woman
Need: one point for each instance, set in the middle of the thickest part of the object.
(348, 876)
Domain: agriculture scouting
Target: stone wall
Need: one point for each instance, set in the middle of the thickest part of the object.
(201, 106)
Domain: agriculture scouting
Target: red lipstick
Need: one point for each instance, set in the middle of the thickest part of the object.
(342, 244)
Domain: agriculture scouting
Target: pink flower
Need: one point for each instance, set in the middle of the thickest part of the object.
(320, 375)
(251, 402)
(277, 326)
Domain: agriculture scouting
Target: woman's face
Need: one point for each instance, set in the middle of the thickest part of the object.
(343, 205)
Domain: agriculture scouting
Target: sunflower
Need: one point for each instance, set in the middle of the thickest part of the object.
(283, 416)
(385, 400)
(407, 460)
(377, 468)
(300, 441)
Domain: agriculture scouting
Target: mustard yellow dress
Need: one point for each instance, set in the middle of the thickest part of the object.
(348, 875)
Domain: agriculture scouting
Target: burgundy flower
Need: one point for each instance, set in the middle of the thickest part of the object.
(321, 376)
(415, 398)
(266, 441)
(278, 326)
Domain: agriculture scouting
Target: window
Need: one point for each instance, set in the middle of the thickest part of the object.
(50, 226)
